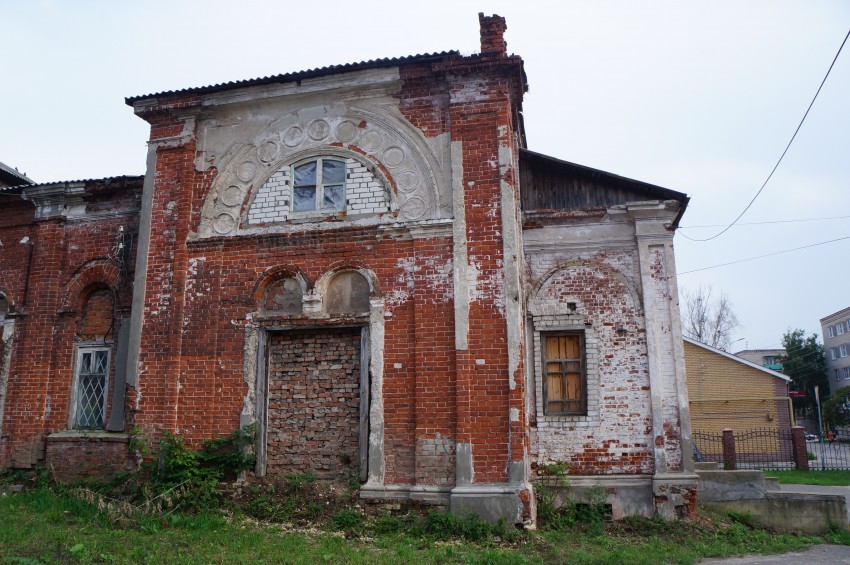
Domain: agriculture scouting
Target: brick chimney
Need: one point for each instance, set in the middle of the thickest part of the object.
(493, 34)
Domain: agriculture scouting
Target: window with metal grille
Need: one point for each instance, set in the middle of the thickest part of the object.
(564, 382)
(92, 378)
(318, 186)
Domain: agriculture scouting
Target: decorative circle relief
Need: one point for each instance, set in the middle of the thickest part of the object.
(224, 224)
(246, 171)
(346, 131)
(267, 152)
(318, 130)
(393, 156)
(407, 181)
(293, 136)
(414, 208)
(250, 165)
(371, 142)
(232, 195)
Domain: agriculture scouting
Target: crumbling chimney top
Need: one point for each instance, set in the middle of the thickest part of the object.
(493, 34)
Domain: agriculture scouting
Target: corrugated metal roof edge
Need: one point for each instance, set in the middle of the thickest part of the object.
(105, 179)
(15, 173)
(298, 75)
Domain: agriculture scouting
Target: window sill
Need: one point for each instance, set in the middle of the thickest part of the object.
(89, 435)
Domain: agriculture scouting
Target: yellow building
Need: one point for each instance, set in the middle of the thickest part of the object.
(726, 391)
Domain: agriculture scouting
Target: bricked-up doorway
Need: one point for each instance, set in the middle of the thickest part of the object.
(317, 402)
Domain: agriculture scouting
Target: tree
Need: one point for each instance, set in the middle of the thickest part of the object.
(805, 363)
(836, 409)
(706, 320)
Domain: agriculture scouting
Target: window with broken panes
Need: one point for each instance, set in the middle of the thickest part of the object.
(92, 373)
(564, 379)
(318, 186)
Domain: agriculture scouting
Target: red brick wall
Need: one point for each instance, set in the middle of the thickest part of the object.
(199, 294)
(99, 457)
(97, 316)
(314, 402)
(47, 279)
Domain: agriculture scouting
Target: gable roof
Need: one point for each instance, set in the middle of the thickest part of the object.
(707, 347)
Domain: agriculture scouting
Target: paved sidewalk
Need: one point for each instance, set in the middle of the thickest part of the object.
(819, 554)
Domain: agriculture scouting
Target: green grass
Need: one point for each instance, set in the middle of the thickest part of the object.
(825, 478)
(49, 525)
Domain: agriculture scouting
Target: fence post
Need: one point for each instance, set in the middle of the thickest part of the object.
(798, 444)
(730, 462)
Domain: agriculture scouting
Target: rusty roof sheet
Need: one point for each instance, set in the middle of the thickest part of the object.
(299, 75)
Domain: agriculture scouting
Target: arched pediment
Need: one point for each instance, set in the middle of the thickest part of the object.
(582, 283)
(394, 149)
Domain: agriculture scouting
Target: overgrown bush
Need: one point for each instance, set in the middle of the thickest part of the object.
(179, 479)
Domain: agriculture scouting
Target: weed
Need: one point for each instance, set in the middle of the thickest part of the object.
(347, 519)
(743, 518)
(589, 515)
(446, 525)
(298, 481)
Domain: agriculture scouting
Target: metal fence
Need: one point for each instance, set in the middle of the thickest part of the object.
(825, 455)
(764, 448)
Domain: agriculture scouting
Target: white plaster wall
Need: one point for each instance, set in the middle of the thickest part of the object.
(614, 437)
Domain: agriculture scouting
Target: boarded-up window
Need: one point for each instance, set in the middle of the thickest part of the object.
(348, 293)
(564, 379)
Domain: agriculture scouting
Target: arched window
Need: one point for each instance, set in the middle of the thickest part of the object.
(93, 353)
(348, 293)
(318, 185)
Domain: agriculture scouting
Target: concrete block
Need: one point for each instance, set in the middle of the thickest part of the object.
(791, 512)
(723, 486)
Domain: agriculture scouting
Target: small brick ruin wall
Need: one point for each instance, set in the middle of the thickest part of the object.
(314, 402)
(75, 458)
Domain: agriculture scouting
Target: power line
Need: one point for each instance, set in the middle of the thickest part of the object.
(763, 256)
(768, 222)
(724, 230)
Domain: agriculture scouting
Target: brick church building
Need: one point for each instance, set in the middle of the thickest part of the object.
(367, 262)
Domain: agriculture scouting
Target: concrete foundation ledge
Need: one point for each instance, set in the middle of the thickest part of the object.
(723, 486)
(675, 495)
(436, 495)
(628, 495)
(493, 503)
(790, 511)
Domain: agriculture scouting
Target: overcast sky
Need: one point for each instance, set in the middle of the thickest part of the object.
(696, 97)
